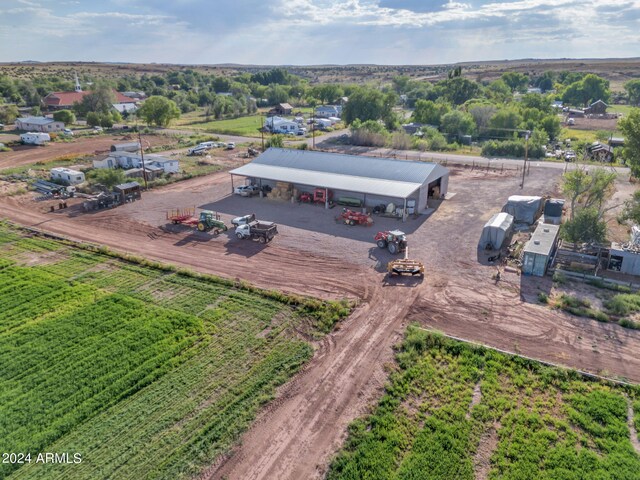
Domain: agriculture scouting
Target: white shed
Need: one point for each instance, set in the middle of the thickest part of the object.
(167, 164)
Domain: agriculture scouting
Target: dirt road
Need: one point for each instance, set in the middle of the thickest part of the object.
(27, 154)
(297, 434)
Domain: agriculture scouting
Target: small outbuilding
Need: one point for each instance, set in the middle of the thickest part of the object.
(495, 231)
(625, 257)
(539, 249)
(553, 209)
(128, 192)
(524, 209)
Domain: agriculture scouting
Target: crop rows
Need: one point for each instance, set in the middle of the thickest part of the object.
(546, 423)
(146, 373)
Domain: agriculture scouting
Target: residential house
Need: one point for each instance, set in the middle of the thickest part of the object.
(39, 124)
(128, 160)
(281, 125)
(123, 108)
(67, 176)
(326, 111)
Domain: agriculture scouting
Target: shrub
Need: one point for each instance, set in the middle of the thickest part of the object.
(543, 297)
(559, 278)
(626, 323)
(400, 141)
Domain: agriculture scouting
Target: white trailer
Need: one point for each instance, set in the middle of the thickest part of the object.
(35, 138)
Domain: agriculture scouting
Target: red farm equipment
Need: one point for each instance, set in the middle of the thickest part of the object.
(395, 241)
(319, 195)
(350, 217)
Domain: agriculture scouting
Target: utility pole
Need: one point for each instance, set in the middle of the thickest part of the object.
(144, 169)
(526, 156)
(262, 129)
(313, 128)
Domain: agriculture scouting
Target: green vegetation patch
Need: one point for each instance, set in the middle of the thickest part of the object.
(448, 401)
(145, 371)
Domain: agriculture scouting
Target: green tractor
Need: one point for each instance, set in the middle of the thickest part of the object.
(210, 221)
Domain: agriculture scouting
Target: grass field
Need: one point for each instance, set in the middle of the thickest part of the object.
(146, 372)
(454, 411)
(243, 126)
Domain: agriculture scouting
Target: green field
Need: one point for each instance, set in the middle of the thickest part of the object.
(243, 126)
(452, 410)
(145, 371)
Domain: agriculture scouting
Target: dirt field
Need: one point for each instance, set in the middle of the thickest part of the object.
(27, 154)
(298, 433)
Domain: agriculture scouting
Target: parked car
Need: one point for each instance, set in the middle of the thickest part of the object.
(569, 156)
(246, 190)
(243, 220)
(231, 145)
(67, 131)
(197, 151)
(97, 128)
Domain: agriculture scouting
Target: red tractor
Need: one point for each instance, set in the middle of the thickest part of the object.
(395, 241)
(354, 218)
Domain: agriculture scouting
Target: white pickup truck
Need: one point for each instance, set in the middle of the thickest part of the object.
(243, 220)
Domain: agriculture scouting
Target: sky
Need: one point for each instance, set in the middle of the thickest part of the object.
(313, 32)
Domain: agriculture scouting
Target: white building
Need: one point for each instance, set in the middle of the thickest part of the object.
(67, 176)
(39, 124)
(127, 160)
(326, 111)
(281, 125)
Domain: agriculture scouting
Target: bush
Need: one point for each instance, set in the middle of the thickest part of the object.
(626, 323)
(543, 297)
(559, 278)
(401, 141)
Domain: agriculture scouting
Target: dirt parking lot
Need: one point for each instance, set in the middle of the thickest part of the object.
(297, 434)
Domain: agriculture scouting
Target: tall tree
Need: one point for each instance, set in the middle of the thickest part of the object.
(458, 123)
(429, 112)
(516, 81)
(630, 127)
(633, 91)
(587, 193)
(65, 116)
(99, 100)
(8, 113)
(159, 111)
(367, 104)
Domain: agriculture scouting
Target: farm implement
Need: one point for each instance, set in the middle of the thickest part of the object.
(350, 217)
(207, 220)
(405, 265)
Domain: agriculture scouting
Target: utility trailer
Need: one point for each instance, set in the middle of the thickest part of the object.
(260, 230)
(206, 221)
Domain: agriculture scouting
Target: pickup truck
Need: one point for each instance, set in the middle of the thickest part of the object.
(243, 220)
(263, 231)
(247, 190)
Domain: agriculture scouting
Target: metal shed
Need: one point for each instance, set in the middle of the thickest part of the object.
(373, 180)
(539, 249)
(624, 258)
(495, 231)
